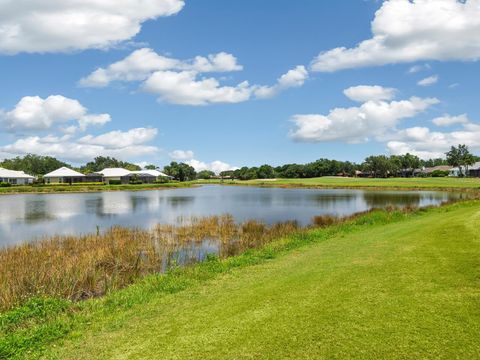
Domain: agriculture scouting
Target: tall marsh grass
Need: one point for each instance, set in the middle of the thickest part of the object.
(80, 267)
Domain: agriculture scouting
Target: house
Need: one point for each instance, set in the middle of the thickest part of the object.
(123, 176)
(15, 177)
(429, 170)
(473, 170)
(116, 175)
(63, 175)
(150, 176)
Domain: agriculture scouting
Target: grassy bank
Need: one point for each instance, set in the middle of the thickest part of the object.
(384, 285)
(42, 189)
(446, 183)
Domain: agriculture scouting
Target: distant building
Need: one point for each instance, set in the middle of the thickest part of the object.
(115, 175)
(430, 170)
(63, 175)
(149, 176)
(473, 170)
(15, 177)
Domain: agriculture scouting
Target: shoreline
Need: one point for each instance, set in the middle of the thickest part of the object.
(288, 184)
(78, 189)
(469, 185)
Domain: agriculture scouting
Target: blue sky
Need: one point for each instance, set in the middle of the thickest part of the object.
(167, 112)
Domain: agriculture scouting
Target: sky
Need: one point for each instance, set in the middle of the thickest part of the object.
(224, 84)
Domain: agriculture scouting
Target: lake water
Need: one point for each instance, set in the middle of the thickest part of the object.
(32, 216)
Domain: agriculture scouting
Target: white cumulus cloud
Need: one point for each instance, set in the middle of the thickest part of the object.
(363, 93)
(181, 154)
(36, 113)
(182, 81)
(371, 120)
(447, 120)
(295, 77)
(185, 88)
(409, 31)
(216, 166)
(141, 63)
(38, 26)
(427, 144)
(122, 145)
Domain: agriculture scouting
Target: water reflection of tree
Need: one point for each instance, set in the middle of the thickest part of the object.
(382, 199)
(37, 211)
(179, 201)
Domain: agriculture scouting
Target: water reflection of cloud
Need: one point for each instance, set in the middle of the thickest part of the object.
(24, 217)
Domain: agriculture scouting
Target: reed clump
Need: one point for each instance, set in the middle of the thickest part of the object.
(81, 267)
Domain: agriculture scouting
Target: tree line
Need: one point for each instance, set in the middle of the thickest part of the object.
(41, 165)
(374, 166)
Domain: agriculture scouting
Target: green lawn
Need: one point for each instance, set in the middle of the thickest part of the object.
(385, 286)
(343, 182)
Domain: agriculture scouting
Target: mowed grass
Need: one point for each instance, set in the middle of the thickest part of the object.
(345, 182)
(397, 286)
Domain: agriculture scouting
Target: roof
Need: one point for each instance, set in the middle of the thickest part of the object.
(155, 173)
(475, 166)
(5, 173)
(439, 167)
(115, 172)
(63, 172)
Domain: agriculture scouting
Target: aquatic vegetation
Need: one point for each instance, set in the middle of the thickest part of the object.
(81, 267)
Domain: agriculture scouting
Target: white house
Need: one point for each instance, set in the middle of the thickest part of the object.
(473, 170)
(63, 175)
(116, 174)
(15, 177)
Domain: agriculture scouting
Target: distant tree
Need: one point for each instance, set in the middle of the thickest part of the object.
(227, 174)
(265, 172)
(151, 167)
(380, 165)
(205, 174)
(180, 171)
(460, 157)
(33, 164)
(407, 163)
(102, 162)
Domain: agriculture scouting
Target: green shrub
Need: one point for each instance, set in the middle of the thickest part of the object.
(5, 184)
(439, 173)
(135, 182)
(115, 182)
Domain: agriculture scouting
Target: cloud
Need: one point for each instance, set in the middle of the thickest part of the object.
(184, 88)
(428, 81)
(181, 154)
(36, 113)
(215, 166)
(182, 82)
(142, 63)
(117, 139)
(417, 68)
(37, 26)
(363, 93)
(293, 78)
(401, 34)
(123, 145)
(447, 120)
(372, 119)
(427, 144)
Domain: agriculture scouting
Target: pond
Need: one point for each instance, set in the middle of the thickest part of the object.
(28, 217)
